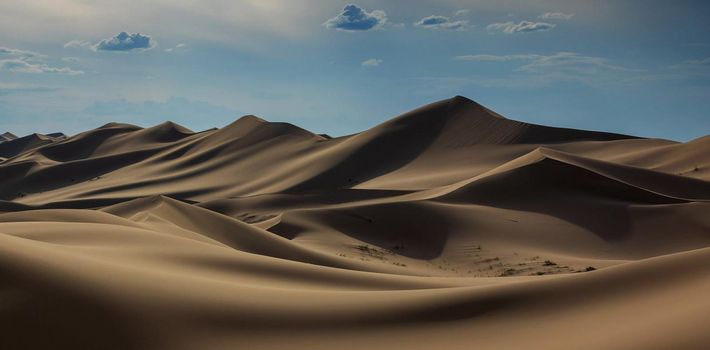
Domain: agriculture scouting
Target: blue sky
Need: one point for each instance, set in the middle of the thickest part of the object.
(338, 67)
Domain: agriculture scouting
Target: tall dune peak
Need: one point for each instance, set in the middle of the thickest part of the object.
(170, 125)
(114, 125)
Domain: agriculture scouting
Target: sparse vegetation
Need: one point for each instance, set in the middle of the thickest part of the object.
(549, 263)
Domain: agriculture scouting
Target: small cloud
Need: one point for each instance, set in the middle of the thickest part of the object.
(496, 58)
(78, 44)
(22, 66)
(372, 62)
(6, 51)
(176, 48)
(355, 18)
(441, 22)
(462, 12)
(557, 15)
(71, 59)
(522, 27)
(8, 90)
(126, 42)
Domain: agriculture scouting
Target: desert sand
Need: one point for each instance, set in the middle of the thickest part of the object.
(448, 227)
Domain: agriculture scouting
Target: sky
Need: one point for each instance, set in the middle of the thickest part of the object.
(338, 67)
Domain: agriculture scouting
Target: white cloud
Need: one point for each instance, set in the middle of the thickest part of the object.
(372, 62)
(355, 18)
(26, 55)
(21, 66)
(78, 44)
(126, 42)
(462, 12)
(557, 15)
(121, 42)
(21, 61)
(441, 22)
(176, 48)
(522, 27)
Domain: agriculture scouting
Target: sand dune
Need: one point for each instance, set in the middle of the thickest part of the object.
(14, 146)
(448, 226)
(7, 136)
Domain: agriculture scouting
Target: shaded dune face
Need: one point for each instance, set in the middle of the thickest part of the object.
(448, 226)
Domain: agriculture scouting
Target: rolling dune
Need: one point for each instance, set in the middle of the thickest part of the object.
(449, 226)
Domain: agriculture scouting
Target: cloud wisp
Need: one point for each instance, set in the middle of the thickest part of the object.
(521, 27)
(557, 15)
(695, 63)
(496, 58)
(6, 51)
(372, 62)
(19, 89)
(441, 22)
(21, 66)
(572, 62)
(354, 18)
(21, 61)
(560, 66)
(177, 47)
(591, 70)
(78, 44)
(694, 68)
